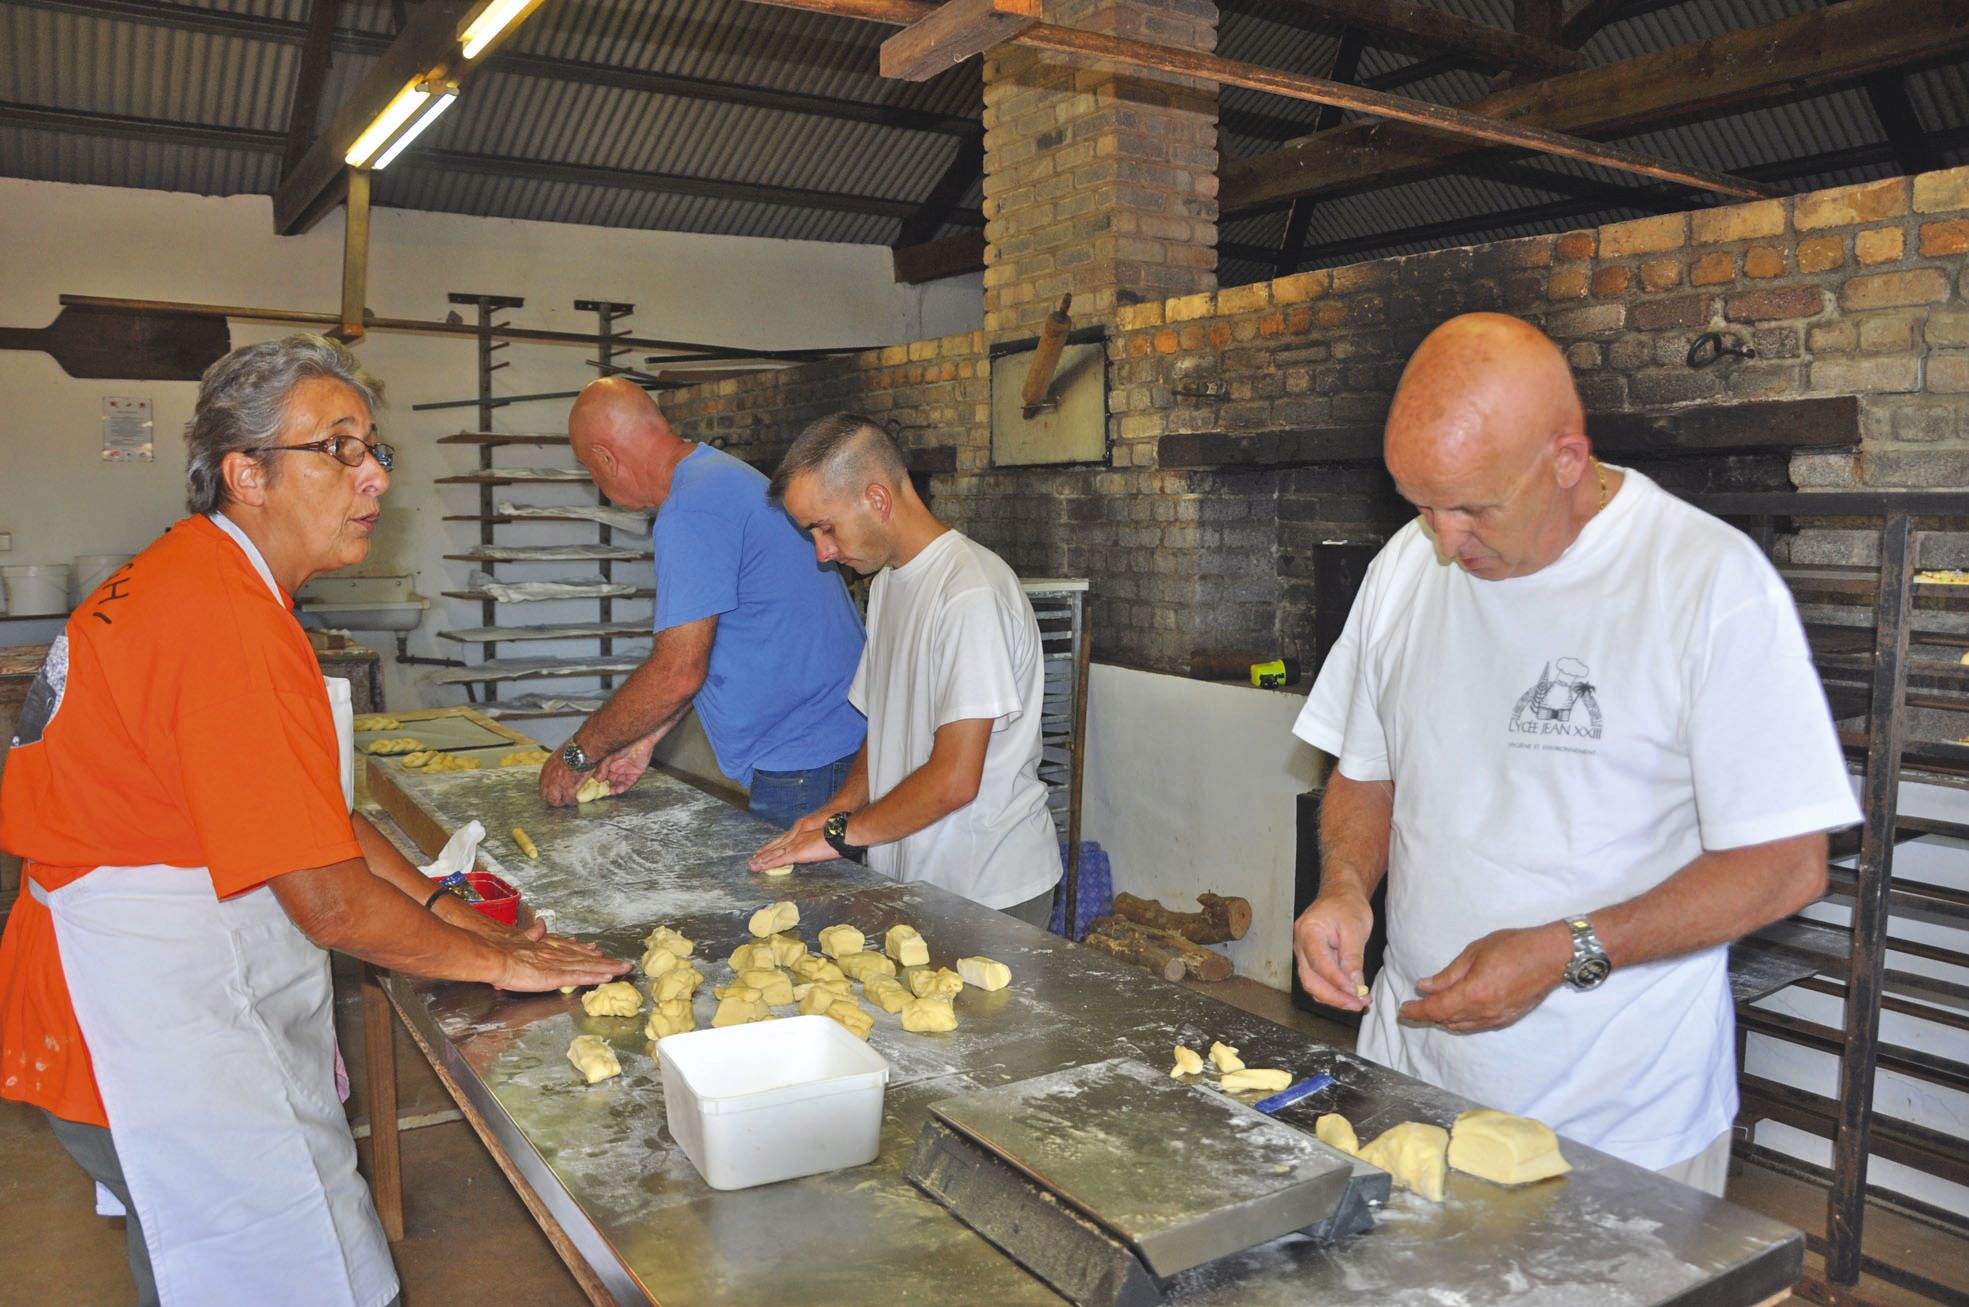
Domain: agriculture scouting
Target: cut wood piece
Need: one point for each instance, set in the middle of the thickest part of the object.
(1197, 961)
(1140, 952)
(956, 31)
(1221, 919)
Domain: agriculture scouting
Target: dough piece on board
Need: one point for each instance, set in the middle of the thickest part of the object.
(526, 844)
(773, 918)
(784, 869)
(941, 983)
(757, 954)
(928, 1015)
(374, 721)
(618, 998)
(739, 1006)
(1264, 1078)
(671, 940)
(837, 941)
(1504, 1149)
(906, 946)
(773, 986)
(593, 1058)
(1187, 1063)
(860, 967)
(850, 1014)
(591, 789)
(399, 744)
(983, 973)
(671, 1018)
(524, 758)
(1225, 1058)
(1413, 1153)
(814, 967)
(659, 961)
(1337, 1131)
(886, 992)
(679, 982)
(787, 948)
(808, 994)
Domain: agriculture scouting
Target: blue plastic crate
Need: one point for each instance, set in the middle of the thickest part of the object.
(1096, 897)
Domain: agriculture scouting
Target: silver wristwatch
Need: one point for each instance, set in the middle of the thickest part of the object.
(1589, 965)
(575, 758)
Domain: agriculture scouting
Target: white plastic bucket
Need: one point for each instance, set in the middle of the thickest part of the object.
(37, 589)
(91, 570)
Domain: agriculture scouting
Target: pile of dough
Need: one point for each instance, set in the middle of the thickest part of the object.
(1225, 1058)
(671, 1018)
(1265, 1078)
(738, 1005)
(941, 983)
(400, 744)
(374, 721)
(812, 966)
(1337, 1131)
(1504, 1149)
(787, 948)
(670, 939)
(773, 918)
(850, 1014)
(591, 789)
(835, 941)
(859, 967)
(906, 946)
(524, 758)
(681, 982)
(618, 998)
(1413, 1153)
(885, 992)
(927, 1015)
(1187, 1063)
(772, 983)
(525, 841)
(983, 973)
(593, 1058)
(747, 956)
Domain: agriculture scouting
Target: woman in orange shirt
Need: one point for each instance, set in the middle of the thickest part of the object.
(175, 787)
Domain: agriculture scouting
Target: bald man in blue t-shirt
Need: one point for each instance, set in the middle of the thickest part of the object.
(750, 629)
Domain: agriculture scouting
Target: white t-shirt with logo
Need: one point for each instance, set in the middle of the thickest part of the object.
(1561, 742)
(951, 637)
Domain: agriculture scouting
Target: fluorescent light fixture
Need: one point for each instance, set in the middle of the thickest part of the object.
(432, 112)
(394, 115)
(489, 22)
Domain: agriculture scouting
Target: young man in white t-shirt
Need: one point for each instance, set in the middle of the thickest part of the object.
(1577, 727)
(946, 787)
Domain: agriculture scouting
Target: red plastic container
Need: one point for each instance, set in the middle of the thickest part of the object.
(497, 899)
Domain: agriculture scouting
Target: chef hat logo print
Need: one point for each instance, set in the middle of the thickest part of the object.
(1563, 702)
(44, 696)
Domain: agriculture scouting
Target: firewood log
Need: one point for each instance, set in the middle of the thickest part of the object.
(1221, 919)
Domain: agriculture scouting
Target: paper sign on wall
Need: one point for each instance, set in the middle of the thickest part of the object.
(126, 430)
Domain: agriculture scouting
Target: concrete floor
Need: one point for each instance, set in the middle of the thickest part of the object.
(470, 1242)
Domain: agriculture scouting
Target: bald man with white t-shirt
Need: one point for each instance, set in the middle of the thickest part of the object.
(1577, 728)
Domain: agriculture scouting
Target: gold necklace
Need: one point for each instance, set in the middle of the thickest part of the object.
(1599, 472)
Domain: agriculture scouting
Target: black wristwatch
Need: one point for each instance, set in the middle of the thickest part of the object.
(575, 757)
(1589, 965)
(835, 832)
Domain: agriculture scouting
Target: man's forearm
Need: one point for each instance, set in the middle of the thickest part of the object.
(853, 794)
(947, 780)
(656, 694)
(348, 908)
(1718, 897)
(1356, 821)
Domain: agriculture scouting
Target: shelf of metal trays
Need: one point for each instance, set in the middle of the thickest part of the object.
(534, 669)
(1060, 607)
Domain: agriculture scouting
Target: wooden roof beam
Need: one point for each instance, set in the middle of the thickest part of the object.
(956, 31)
(1825, 47)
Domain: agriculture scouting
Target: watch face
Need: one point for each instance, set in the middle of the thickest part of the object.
(836, 828)
(1587, 974)
(572, 755)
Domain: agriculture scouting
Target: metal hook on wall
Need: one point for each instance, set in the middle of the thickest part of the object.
(1713, 345)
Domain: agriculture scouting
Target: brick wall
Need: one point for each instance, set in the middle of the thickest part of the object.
(1859, 290)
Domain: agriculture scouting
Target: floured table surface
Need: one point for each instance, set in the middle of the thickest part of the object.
(603, 1162)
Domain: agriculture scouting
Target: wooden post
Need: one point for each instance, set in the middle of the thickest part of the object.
(1886, 733)
(380, 1053)
(355, 257)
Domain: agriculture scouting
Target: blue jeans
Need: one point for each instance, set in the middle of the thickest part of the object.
(783, 797)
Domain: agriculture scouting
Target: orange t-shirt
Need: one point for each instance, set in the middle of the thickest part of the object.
(180, 720)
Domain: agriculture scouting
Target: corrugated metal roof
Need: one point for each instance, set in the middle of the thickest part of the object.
(126, 69)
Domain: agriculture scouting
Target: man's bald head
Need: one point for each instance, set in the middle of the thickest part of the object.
(616, 410)
(1486, 436)
(621, 437)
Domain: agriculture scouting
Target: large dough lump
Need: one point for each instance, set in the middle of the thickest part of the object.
(773, 918)
(1504, 1149)
(862, 967)
(926, 1015)
(983, 973)
(593, 1058)
(618, 998)
(1337, 1131)
(906, 946)
(1413, 1153)
(841, 940)
(941, 983)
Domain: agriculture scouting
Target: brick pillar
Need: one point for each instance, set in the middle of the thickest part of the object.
(1098, 180)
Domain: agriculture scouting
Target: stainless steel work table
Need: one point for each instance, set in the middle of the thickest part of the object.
(599, 1168)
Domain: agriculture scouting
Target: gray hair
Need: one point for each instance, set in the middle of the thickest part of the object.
(242, 402)
(840, 447)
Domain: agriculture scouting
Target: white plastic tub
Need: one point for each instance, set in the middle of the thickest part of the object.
(773, 1100)
(40, 589)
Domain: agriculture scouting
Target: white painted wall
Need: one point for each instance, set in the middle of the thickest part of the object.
(59, 499)
(1192, 786)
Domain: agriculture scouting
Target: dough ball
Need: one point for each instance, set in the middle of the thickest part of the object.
(1504, 1149)
(593, 1058)
(739, 1006)
(1261, 1078)
(941, 983)
(659, 961)
(681, 982)
(1187, 1063)
(748, 956)
(591, 789)
(1225, 1058)
(1414, 1153)
(906, 946)
(773, 918)
(669, 939)
(849, 1013)
(859, 967)
(671, 1018)
(838, 940)
(1337, 1131)
(887, 993)
(812, 966)
(983, 973)
(787, 948)
(784, 869)
(928, 1015)
(618, 998)
(524, 758)
(771, 982)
